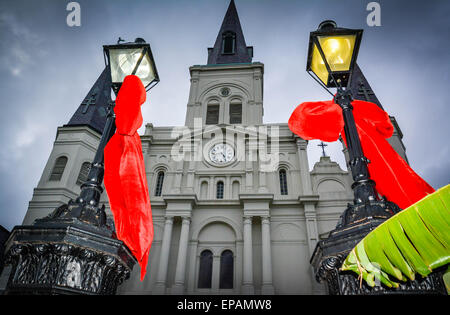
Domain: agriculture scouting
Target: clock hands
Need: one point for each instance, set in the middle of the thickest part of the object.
(221, 153)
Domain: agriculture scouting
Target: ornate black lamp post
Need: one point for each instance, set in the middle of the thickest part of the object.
(74, 250)
(331, 57)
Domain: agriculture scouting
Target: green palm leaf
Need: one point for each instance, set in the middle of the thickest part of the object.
(414, 241)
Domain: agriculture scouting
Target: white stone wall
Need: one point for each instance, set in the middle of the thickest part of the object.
(245, 82)
(79, 145)
(295, 221)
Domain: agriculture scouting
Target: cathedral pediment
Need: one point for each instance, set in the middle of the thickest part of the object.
(215, 131)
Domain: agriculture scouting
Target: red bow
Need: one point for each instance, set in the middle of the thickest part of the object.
(394, 178)
(125, 178)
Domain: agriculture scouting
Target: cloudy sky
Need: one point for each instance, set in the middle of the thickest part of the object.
(47, 68)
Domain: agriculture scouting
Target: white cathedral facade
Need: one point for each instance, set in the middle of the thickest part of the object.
(236, 209)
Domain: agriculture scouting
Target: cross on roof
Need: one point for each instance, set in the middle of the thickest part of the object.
(364, 91)
(323, 145)
(90, 110)
(88, 102)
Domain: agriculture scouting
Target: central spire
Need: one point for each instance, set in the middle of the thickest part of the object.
(230, 44)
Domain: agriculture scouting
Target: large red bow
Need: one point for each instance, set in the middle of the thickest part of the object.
(125, 178)
(394, 178)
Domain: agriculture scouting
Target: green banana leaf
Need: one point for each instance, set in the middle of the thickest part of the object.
(414, 241)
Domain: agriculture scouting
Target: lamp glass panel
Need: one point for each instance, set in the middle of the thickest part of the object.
(124, 60)
(338, 51)
(318, 66)
(145, 72)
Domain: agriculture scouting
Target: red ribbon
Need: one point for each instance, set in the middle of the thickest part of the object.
(125, 178)
(394, 178)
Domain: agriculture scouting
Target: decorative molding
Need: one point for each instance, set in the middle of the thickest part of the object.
(220, 219)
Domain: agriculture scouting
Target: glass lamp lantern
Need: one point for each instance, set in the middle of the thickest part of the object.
(131, 59)
(332, 53)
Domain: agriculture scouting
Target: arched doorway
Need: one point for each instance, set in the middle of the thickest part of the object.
(216, 259)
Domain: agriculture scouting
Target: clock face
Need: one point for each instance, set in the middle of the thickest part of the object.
(221, 153)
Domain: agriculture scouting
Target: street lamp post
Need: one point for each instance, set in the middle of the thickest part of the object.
(331, 58)
(74, 250)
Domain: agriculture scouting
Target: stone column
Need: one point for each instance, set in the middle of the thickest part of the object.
(248, 173)
(193, 245)
(263, 159)
(215, 274)
(160, 286)
(251, 158)
(262, 181)
(309, 201)
(304, 167)
(211, 189)
(311, 226)
(267, 286)
(178, 174)
(228, 190)
(312, 236)
(247, 283)
(190, 177)
(180, 273)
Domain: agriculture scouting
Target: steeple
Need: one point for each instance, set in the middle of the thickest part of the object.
(92, 111)
(362, 91)
(361, 88)
(229, 89)
(230, 44)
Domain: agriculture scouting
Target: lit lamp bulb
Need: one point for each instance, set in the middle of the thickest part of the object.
(338, 51)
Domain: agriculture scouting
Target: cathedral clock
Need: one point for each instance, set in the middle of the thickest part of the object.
(221, 153)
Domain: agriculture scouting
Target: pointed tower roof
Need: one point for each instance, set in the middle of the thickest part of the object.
(92, 111)
(361, 87)
(237, 52)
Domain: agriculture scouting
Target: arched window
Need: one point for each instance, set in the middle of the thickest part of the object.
(212, 113)
(205, 270)
(84, 172)
(226, 270)
(228, 43)
(159, 184)
(219, 193)
(204, 190)
(235, 112)
(283, 182)
(58, 169)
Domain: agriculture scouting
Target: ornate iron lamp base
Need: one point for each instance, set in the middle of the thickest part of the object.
(354, 225)
(340, 283)
(64, 255)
